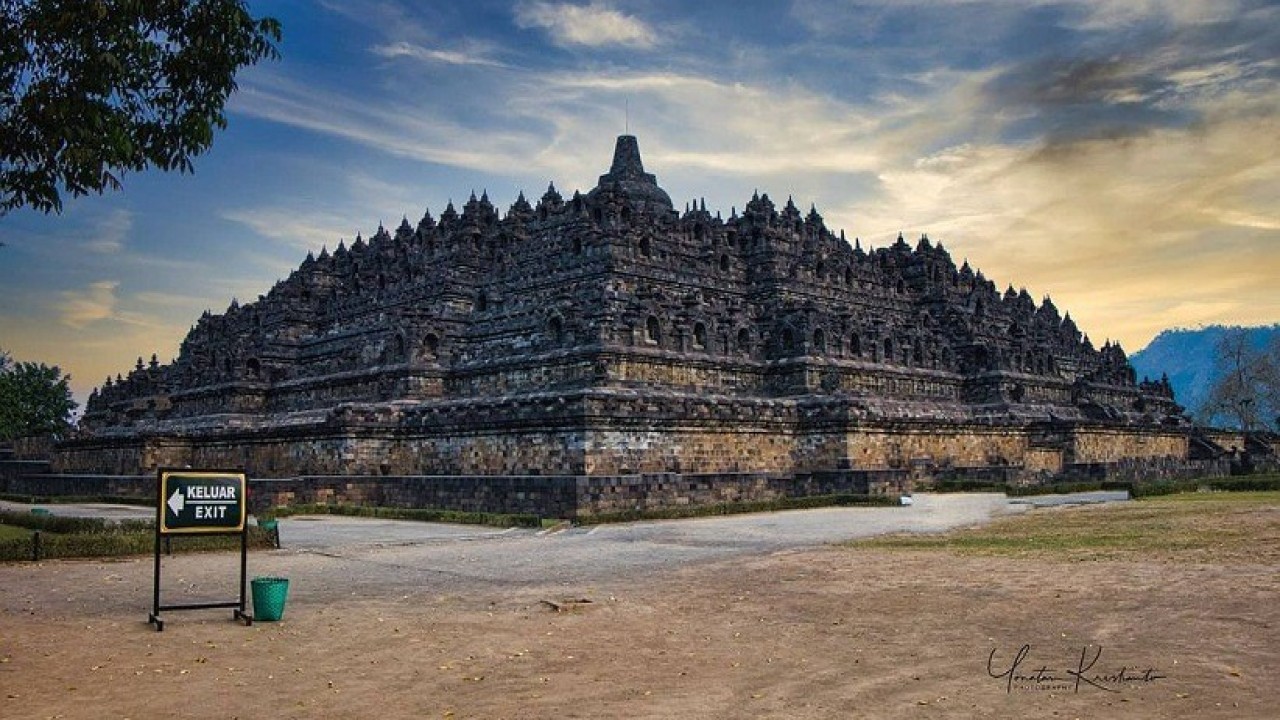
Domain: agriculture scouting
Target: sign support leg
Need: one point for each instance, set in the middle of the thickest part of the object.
(240, 614)
(154, 618)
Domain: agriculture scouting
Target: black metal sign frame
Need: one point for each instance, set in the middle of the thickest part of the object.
(221, 491)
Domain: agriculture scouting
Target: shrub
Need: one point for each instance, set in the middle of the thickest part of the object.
(94, 537)
(71, 525)
(420, 514)
(797, 503)
(951, 485)
(1246, 484)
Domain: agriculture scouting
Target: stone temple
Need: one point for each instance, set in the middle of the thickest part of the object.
(606, 351)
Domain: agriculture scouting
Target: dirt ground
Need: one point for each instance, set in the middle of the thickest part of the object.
(832, 632)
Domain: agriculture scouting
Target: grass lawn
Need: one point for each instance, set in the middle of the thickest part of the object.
(1196, 527)
(9, 532)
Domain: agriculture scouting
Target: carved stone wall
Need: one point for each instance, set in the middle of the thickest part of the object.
(609, 334)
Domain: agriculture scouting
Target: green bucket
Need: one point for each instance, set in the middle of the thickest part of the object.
(269, 594)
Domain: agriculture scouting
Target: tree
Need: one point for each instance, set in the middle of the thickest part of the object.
(1246, 393)
(91, 89)
(35, 399)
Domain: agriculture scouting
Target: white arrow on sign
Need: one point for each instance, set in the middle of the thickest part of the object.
(177, 502)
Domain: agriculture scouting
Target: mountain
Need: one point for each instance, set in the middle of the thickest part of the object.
(1188, 357)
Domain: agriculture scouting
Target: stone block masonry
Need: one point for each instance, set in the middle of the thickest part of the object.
(555, 496)
(608, 335)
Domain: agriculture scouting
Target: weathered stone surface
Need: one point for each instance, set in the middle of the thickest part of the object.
(608, 334)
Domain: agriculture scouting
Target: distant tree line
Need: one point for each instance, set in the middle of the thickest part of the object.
(35, 399)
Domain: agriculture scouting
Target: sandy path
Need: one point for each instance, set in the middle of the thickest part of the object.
(827, 632)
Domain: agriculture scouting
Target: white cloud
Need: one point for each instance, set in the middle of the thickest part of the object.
(418, 52)
(109, 236)
(1094, 14)
(84, 307)
(1129, 235)
(725, 127)
(1108, 14)
(1122, 232)
(311, 231)
(780, 139)
(415, 132)
(591, 25)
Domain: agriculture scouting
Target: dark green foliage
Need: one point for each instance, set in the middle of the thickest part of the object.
(68, 537)
(1054, 488)
(1253, 483)
(76, 499)
(1144, 488)
(1256, 483)
(71, 525)
(35, 399)
(421, 514)
(533, 521)
(1157, 488)
(1067, 486)
(798, 503)
(968, 485)
(91, 89)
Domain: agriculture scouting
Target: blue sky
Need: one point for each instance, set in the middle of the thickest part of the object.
(1121, 156)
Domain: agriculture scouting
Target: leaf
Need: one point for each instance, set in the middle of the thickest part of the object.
(104, 93)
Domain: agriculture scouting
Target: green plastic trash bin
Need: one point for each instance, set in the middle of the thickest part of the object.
(269, 594)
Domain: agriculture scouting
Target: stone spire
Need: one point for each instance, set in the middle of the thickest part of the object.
(627, 177)
(626, 161)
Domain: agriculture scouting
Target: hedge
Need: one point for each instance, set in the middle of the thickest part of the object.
(1141, 488)
(420, 514)
(689, 511)
(54, 536)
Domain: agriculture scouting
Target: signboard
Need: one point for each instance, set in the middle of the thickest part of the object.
(201, 502)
